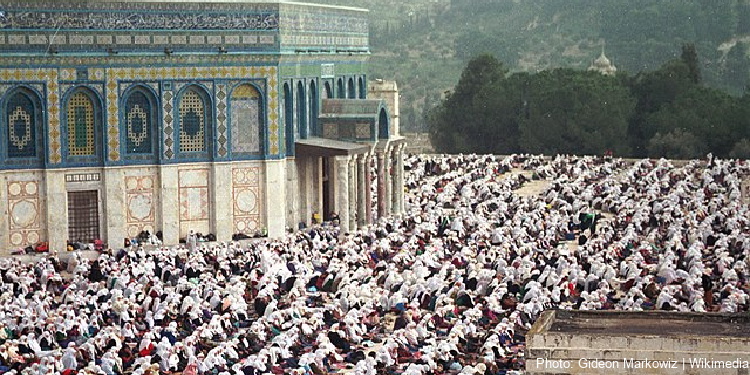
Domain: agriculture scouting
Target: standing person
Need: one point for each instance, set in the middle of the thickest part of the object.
(192, 241)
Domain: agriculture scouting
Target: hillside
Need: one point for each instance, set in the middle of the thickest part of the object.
(424, 44)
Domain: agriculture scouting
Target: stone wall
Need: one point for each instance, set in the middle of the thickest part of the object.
(419, 143)
(219, 198)
(638, 343)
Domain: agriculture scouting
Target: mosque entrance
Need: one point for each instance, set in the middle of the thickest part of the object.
(83, 216)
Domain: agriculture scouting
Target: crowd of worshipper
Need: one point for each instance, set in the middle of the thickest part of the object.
(450, 287)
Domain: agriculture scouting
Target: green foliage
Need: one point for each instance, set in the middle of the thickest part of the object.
(741, 149)
(576, 112)
(409, 39)
(690, 58)
(663, 113)
(677, 144)
(451, 129)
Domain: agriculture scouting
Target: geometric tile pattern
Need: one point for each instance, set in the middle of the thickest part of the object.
(269, 74)
(51, 79)
(140, 204)
(138, 122)
(363, 131)
(25, 213)
(246, 200)
(81, 123)
(22, 124)
(221, 119)
(246, 119)
(193, 200)
(192, 122)
(167, 100)
(113, 130)
(53, 118)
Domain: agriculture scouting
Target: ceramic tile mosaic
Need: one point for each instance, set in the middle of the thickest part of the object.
(246, 198)
(25, 212)
(140, 204)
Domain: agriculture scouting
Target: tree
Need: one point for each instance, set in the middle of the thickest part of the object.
(576, 112)
(653, 90)
(741, 149)
(461, 118)
(736, 70)
(662, 113)
(690, 58)
(703, 112)
(677, 144)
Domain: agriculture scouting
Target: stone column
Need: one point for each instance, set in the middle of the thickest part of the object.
(368, 188)
(115, 207)
(317, 186)
(362, 191)
(57, 209)
(303, 165)
(388, 194)
(353, 201)
(221, 201)
(275, 193)
(398, 207)
(5, 216)
(342, 191)
(291, 209)
(170, 204)
(381, 184)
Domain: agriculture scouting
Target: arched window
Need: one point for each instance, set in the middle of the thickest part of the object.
(288, 119)
(301, 110)
(328, 93)
(83, 118)
(139, 118)
(23, 117)
(351, 89)
(341, 93)
(246, 108)
(383, 124)
(362, 88)
(314, 109)
(194, 121)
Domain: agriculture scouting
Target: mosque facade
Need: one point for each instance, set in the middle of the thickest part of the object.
(217, 117)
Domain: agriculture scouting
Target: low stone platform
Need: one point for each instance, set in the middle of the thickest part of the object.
(617, 342)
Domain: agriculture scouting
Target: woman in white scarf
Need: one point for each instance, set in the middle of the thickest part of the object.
(127, 333)
(33, 344)
(69, 361)
(108, 363)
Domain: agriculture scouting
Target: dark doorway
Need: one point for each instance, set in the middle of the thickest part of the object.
(352, 91)
(383, 130)
(362, 90)
(291, 135)
(328, 93)
(301, 110)
(340, 93)
(83, 216)
(314, 110)
(326, 187)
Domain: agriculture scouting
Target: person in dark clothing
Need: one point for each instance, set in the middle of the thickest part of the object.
(338, 341)
(95, 273)
(259, 305)
(400, 323)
